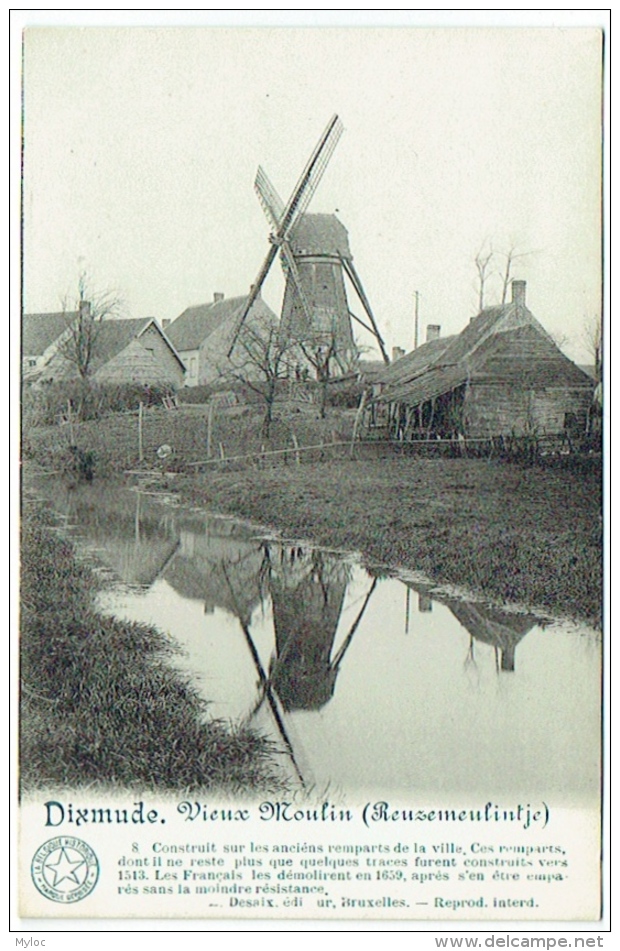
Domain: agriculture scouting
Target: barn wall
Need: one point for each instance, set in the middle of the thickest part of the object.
(191, 359)
(147, 359)
(501, 409)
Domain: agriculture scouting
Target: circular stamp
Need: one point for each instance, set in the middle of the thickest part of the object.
(65, 869)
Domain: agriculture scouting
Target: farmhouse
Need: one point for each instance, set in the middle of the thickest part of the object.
(201, 335)
(503, 375)
(123, 351)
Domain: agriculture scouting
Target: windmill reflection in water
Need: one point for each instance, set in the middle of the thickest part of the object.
(307, 589)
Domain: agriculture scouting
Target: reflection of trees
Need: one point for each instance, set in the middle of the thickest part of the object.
(206, 563)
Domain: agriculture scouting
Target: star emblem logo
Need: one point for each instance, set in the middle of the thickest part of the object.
(65, 869)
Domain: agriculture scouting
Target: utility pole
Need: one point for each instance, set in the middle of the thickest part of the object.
(416, 295)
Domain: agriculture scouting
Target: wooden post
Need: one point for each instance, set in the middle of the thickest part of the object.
(140, 446)
(431, 419)
(137, 519)
(70, 423)
(209, 427)
(358, 416)
(296, 444)
(222, 456)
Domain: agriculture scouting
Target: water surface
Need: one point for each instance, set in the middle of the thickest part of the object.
(368, 684)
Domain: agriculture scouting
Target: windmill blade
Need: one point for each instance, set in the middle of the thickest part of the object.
(311, 175)
(290, 266)
(273, 206)
(297, 203)
(254, 292)
(347, 641)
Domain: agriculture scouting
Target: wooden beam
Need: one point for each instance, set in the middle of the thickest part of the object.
(357, 284)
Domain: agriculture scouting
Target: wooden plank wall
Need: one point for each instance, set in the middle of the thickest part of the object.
(501, 409)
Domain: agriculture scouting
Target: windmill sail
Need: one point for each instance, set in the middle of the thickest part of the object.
(315, 255)
(302, 193)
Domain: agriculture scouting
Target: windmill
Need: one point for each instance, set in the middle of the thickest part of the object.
(315, 256)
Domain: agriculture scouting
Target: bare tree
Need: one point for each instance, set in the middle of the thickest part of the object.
(84, 318)
(260, 358)
(511, 255)
(561, 340)
(483, 263)
(592, 338)
(323, 349)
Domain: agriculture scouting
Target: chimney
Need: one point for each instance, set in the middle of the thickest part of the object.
(217, 297)
(165, 323)
(397, 353)
(433, 332)
(518, 292)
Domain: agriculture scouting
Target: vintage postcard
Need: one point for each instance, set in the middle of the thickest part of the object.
(312, 459)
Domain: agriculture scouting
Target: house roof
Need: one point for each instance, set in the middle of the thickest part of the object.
(414, 363)
(486, 622)
(371, 370)
(588, 368)
(502, 344)
(40, 331)
(195, 324)
(320, 235)
(433, 382)
(524, 355)
(113, 336)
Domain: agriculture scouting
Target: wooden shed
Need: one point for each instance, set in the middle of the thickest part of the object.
(503, 375)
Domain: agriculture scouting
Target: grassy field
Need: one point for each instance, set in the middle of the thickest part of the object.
(526, 535)
(235, 431)
(530, 535)
(100, 704)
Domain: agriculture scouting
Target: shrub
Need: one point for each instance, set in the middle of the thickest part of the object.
(43, 406)
(346, 396)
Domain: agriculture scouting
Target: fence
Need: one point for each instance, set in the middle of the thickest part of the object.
(178, 439)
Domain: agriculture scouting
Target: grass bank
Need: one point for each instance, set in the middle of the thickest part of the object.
(100, 702)
(523, 534)
(526, 535)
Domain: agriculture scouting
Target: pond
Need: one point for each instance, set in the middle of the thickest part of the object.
(367, 681)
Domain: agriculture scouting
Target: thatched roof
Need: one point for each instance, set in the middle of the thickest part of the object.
(40, 331)
(504, 344)
(113, 338)
(414, 363)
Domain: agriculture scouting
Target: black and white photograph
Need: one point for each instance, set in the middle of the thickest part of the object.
(313, 350)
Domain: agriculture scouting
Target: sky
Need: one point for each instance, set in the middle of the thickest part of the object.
(141, 146)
